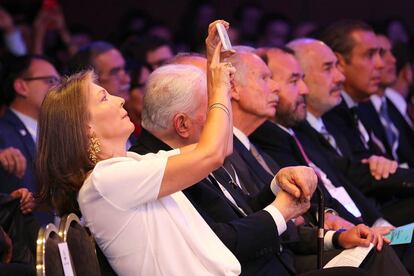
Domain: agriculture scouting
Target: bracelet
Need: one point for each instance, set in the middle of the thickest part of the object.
(220, 106)
(335, 238)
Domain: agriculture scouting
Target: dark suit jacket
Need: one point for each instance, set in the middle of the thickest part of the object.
(13, 133)
(400, 121)
(340, 124)
(283, 148)
(298, 239)
(371, 121)
(253, 238)
(341, 119)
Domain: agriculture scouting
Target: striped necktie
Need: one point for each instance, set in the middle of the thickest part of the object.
(391, 131)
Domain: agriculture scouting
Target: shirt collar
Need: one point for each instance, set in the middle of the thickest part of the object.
(396, 98)
(376, 101)
(316, 123)
(242, 137)
(348, 100)
(28, 122)
(288, 130)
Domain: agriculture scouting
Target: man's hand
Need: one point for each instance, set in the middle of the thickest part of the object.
(361, 235)
(13, 161)
(382, 230)
(298, 181)
(289, 206)
(27, 202)
(334, 222)
(380, 167)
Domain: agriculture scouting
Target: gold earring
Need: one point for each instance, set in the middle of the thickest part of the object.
(94, 149)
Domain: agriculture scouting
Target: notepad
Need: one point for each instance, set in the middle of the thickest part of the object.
(350, 257)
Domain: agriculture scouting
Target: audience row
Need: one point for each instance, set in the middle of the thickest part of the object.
(225, 152)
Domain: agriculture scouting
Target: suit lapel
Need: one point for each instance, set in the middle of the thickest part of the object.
(23, 133)
(252, 163)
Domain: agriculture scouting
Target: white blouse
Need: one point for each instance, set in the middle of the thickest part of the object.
(142, 235)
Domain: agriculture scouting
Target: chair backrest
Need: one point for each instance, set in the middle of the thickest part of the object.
(48, 260)
(106, 269)
(81, 246)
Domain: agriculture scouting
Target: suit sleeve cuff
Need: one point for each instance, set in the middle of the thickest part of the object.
(277, 217)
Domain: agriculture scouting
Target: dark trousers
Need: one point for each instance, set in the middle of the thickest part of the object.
(385, 262)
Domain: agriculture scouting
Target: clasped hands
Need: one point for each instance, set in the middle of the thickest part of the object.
(297, 185)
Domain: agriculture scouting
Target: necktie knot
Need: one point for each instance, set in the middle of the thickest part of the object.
(330, 138)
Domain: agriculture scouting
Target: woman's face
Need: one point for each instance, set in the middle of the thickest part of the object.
(108, 119)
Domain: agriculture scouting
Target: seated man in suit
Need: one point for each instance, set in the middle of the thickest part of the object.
(27, 80)
(311, 54)
(282, 144)
(381, 115)
(360, 83)
(304, 144)
(249, 226)
(397, 93)
(323, 95)
(362, 64)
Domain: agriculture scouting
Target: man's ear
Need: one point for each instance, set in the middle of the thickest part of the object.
(182, 125)
(234, 91)
(407, 73)
(341, 62)
(20, 87)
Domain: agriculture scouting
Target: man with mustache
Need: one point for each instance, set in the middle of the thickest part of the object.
(280, 142)
(296, 137)
(359, 60)
(356, 47)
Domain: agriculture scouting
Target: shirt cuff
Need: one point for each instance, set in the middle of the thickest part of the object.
(277, 217)
(327, 240)
(274, 186)
(381, 222)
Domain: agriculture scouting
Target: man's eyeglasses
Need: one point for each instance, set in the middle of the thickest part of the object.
(49, 80)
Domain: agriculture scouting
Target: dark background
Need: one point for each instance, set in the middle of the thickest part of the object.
(103, 16)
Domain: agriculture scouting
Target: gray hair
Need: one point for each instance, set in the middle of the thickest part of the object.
(171, 89)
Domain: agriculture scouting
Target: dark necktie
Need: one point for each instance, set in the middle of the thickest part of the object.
(260, 158)
(358, 125)
(224, 178)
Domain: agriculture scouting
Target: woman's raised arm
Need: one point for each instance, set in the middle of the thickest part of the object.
(215, 142)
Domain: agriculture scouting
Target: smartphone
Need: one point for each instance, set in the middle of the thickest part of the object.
(224, 37)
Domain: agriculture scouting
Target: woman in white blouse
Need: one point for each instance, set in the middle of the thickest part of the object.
(132, 203)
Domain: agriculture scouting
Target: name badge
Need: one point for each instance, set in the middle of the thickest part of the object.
(65, 258)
